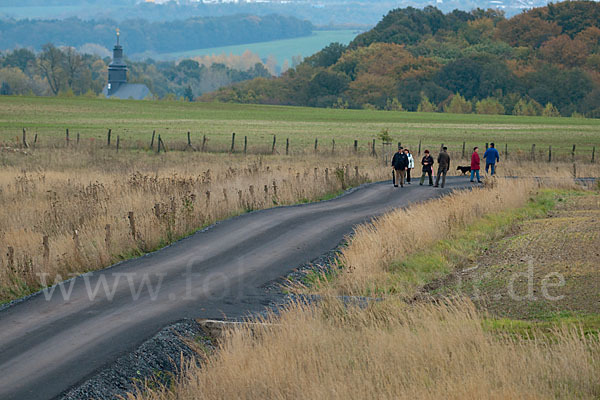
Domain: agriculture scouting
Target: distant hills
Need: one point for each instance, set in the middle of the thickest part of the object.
(142, 36)
(543, 61)
(319, 12)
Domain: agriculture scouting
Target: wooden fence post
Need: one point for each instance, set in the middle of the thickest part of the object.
(356, 146)
(506, 150)
(287, 146)
(233, 142)
(107, 237)
(593, 154)
(46, 244)
(204, 143)
(11, 256)
(158, 147)
(189, 138)
(487, 145)
(332, 146)
(274, 142)
(118, 142)
(442, 147)
(108, 138)
(132, 223)
(77, 138)
(399, 144)
(373, 152)
(25, 138)
(245, 144)
(573, 154)
(152, 141)
(550, 153)
(162, 144)
(316, 144)
(67, 136)
(533, 152)
(35, 139)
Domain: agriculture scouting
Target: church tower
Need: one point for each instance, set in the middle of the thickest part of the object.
(117, 70)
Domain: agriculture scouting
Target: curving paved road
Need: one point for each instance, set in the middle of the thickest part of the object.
(55, 340)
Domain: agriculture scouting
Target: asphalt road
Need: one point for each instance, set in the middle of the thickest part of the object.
(54, 340)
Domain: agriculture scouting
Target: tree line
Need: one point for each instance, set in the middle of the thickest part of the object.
(152, 37)
(542, 61)
(62, 71)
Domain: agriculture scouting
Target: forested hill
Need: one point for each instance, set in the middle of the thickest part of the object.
(545, 60)
(142, 36)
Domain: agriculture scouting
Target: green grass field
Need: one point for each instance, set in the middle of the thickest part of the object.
(282, 50)
(134, 122)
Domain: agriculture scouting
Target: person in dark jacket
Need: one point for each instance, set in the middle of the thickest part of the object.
(400, 164)
(443, 167)
(491, 156)
(427, 163)
(475, 165)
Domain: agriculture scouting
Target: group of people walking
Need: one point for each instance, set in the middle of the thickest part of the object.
(403, 162)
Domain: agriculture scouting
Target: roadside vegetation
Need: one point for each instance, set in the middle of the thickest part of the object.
(426, 337)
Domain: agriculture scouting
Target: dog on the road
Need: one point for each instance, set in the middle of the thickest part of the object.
(464, 170)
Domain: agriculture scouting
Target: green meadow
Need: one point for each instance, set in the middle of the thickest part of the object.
(134, 122)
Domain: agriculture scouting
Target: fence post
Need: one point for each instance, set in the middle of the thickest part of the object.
(373, 152)
(203, 142)
(316, 144)
(573, 154)
(67, 136)
(274, 142)
(506, 150)
(108, 138)
(152, 141)
(287, 146)
(442, 147)
(487, 145)
(46, 256)
(118, 142)
(107, 237)
(132, 223)
(35, 140)
(593, 154)
(233, 142)
(550, 153)
(419, 147)
(533, 152)
(332, 146)
(245, 144)
(25, 138)
(463, 149)
(399, 144)
(11, 256)
(158, 147)
(189, 138)
(77, 138)
(162, 144)
(356, 146)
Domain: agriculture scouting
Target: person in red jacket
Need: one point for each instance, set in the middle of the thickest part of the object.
(475, 165)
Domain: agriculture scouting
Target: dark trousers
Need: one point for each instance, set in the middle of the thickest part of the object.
(399, 175)
(441, 172)
(492, 166)
(423, 177)
(407, 174)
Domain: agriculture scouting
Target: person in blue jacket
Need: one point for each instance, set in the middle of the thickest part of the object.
(491, 156)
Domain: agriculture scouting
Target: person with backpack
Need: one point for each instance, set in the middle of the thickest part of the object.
(399, 163)
(427, 163)
(491, 156)
(443, 167)
(411, 165)
(475, 165)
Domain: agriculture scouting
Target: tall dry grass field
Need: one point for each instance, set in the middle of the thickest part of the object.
(389, 351)
(65, 211)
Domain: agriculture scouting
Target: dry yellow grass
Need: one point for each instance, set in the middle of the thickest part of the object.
(389, 351)
(72, 196)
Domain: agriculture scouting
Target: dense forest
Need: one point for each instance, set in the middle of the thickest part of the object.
(66, 72)
(543, 61)
(152, 37)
